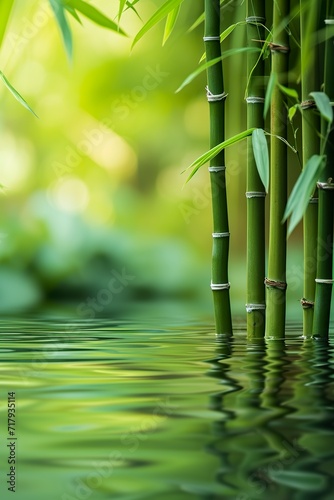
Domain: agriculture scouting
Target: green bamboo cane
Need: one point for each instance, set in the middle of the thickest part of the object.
(255, 194)
(324, 281)
(276, 280)
(310, 81)
(216, 97)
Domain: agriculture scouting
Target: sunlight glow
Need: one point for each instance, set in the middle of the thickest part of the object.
(70, 195)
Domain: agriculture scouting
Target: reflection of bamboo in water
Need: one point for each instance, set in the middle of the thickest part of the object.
(312, 392)
(243, 434)
(255, 446)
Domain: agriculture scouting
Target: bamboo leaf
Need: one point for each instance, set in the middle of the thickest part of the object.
(93, 14)
(73, 13)
(207, 65)
(15, 93)
(170, 23)
(302, 191)
(131, 5)
(204, 158)
(261, 155)
(5, 11)
(229, 30)
(323, 104)
(198, 21)
(289, 92)
(160, 14)
(292, 112)
(270, 89)
(300, 480)
(59, 12)
(122, 4)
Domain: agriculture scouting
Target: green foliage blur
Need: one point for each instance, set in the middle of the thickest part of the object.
(94, 185)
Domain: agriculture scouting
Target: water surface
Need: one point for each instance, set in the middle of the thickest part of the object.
(135, 410)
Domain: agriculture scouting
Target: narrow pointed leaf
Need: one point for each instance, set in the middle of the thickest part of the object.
(198, 21)
(121, 9)
(302, 191)
(94, 15)
(131, 5)
(300, 480)
(207, 65)
(15, 93)
(323, 104)
(270, 89)
(261, 155)
(160, 14)
(5, 11)
(292, 112)
(73, 13)
(289, 92)
(204, 158)
(59, 12)
(170, 23)
(228, 31)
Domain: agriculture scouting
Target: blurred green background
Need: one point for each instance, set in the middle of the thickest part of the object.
(94, 186)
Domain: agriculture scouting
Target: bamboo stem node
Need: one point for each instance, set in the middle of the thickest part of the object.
(324, 281)
(308, 104)
(327, 186)
(276, 47)
(220, 286)
(255, 307)
(307, 304)
(255, 100)
(215, 97)
(255, 194)
(211, 38)
(329, 21)
(280, 285)
(314, 200)
(255, 19)
(220, 235)
(216, 169)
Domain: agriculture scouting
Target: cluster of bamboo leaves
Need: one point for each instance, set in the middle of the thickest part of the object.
(63, 9)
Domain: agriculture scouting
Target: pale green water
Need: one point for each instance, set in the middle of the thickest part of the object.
(165, 410)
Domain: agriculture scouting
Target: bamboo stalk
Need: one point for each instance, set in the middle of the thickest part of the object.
(255, 194)
(310, 81)
(276, 281)
(216, 97)
(324, 281)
